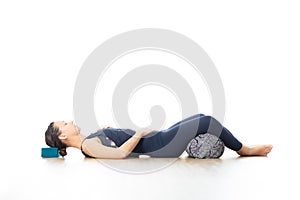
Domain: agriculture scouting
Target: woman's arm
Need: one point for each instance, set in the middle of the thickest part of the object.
(131, 143)
(101, 151)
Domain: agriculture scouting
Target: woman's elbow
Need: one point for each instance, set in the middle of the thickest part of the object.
(117, 155)
(123, 154)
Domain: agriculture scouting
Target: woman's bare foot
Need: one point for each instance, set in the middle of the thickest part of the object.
(260, 150)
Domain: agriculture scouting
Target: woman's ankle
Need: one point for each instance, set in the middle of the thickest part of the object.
(244, 151)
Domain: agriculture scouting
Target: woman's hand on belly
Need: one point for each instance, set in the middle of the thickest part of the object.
(104, 127)
(144, 132)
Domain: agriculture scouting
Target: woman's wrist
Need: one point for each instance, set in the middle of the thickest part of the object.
(143, 132)
(138, 135)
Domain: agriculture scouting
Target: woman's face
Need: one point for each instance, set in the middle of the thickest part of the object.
(67, 128)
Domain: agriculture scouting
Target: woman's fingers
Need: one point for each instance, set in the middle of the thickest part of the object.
(105, 126)
(145, 131)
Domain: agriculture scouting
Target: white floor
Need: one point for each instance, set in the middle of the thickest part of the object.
(75, 177)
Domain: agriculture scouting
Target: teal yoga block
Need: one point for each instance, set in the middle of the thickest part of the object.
(50, 152)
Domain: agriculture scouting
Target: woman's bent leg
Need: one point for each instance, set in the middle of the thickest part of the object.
(174, 140)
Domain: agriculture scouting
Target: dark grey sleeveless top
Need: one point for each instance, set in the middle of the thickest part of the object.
(110, 137)
(104, 140)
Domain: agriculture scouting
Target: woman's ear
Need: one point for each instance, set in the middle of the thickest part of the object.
(63, 136)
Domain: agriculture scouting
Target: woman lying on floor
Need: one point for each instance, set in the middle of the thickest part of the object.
(120, 142)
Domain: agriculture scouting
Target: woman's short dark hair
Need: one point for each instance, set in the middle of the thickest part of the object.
(52, 140)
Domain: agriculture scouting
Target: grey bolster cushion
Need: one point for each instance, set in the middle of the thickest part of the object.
(205, 146)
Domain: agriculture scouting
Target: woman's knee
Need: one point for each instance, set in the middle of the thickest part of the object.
(207, 117)
(210, 117)
(210, 120)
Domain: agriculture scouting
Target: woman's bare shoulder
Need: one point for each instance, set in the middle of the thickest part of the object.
(92, 141)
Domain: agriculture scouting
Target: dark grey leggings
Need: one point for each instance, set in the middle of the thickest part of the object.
(172, 142)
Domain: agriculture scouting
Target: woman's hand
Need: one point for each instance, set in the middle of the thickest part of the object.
(104, 127)
(131, 143)
(143, 132)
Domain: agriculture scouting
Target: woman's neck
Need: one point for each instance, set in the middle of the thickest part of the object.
(76, 141)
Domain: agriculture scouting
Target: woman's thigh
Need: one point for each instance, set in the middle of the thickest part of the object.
(172, 142)
(187, 119)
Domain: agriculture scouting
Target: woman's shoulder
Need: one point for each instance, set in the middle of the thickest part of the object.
(92, 141)
(89, 144)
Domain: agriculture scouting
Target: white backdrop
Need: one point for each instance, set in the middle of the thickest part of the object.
(255, 46)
